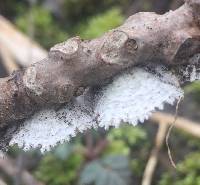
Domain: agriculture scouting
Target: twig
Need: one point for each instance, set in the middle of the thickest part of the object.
(153, 159)
(188, 126)
(169, 131)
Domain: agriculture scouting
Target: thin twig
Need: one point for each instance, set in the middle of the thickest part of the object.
(169, 131)
(153, 159)
(188, 126)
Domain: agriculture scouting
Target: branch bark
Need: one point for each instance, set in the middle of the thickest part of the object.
(72, 66)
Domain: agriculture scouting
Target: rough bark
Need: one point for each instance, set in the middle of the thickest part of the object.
(72, 66)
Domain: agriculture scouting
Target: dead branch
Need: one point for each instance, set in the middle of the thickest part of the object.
(72, 66)
(187, 126)
(165, 120)
(153, 159)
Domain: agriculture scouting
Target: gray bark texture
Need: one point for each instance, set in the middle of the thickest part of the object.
(72, 66)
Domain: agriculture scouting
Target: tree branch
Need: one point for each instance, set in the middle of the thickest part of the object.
(153, 158)
(188, 126)
(72, 66)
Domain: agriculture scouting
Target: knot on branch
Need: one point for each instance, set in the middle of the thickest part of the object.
(30, 82)
(117, 47)
(65, 92)
(67, 49)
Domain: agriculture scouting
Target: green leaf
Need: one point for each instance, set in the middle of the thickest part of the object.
(63, 151)
(99, 24)
(111, 170)
(90, 173)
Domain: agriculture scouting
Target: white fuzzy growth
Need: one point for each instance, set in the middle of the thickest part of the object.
(131, 97)
(192, 71)
(49, 127)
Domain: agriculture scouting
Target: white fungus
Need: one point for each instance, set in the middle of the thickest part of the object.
(134, 96)
(131, 97)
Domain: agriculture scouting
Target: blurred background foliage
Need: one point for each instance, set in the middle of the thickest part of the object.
(46, 30)
(187, 172)
(99, 24)
(117, 156)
